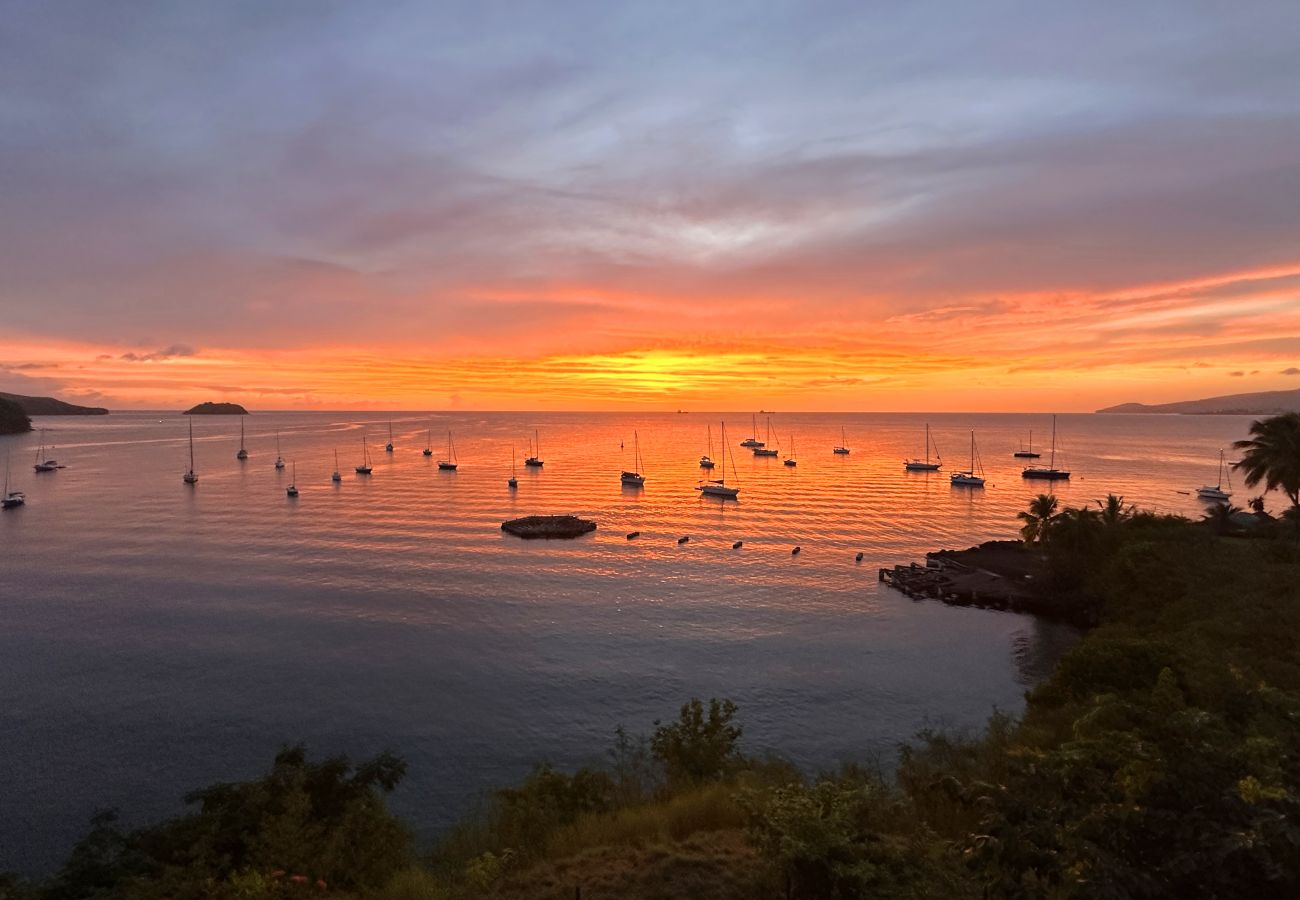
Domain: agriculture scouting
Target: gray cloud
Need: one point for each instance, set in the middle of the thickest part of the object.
(170, 352)
(256, 175)
(1291, 370)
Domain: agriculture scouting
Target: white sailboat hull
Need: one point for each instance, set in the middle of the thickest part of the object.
(917, 466)
(718, 490)
(966, 479)
(1213, 493)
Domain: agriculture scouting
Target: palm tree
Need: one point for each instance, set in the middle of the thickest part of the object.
(1041, 512)
(1273, 455)
(1219, 517)
(1113, 510)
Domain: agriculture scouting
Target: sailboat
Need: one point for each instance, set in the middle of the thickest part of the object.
(917, 465)
(449, 464)
(1217, 492)
(1028, 452)
(753, 440)
(428, 444)
(789, 460)
(634, 478)
(762, 449)
(718, 487)
(973, 476)
(191, 477)
(534, 458)
(336, 476)
(279, 460)
(389, 446)
(843, 448)
(365, 468)
(242, 454)
(44, 463)
(706, 461)
(11, 499)
(292, 489)
(1048, 472)
(514, 481)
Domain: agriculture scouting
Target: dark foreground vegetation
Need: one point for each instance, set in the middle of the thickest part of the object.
(1161, 760)
(12, 418)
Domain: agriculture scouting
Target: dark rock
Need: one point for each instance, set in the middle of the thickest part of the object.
(530, 527)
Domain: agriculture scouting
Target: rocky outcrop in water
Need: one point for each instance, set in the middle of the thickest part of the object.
(548, 527)
(217, 409)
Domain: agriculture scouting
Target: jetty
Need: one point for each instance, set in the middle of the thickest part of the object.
(1001, 575)
(551, 527)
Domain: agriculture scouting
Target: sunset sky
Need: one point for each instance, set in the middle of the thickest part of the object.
(804, 205)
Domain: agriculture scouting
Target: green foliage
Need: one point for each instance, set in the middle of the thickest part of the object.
(525, 816)
(305, 821)
(840, 839)
(1041, 512)
(698, 747)
(12, 418)
(1273, 455)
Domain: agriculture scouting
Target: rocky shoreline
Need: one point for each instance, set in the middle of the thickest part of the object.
(1001, 575)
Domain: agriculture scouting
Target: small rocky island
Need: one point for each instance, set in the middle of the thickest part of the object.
(216, 409)
(530, 527)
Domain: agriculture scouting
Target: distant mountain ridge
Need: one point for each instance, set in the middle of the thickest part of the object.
(1256, 404)
(48, 406)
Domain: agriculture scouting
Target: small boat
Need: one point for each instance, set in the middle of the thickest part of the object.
(762, 449)
(717, 487)
(973, 476)
(789, 460)
(11, 499)
(918, 465)
(279, 460)
(1048, 472)
(388, 448)
(292, 489)
(449, 464)
(365, 468)
(514, 481)
(191, 477)
(684, 539)
(336, 476)
(706, 461)
(43, 462)
(242, 454)
(752, 441)
(1027, 452)
(428, 444)
(534, 458)
(843, 448)
(634, 478)
(1217, 492)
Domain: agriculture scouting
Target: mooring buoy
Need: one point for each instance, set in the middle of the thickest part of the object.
(683, 539)
(795, 551)
(737, 545)
(858, 558)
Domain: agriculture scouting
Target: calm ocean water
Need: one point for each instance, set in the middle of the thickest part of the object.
(159, 637)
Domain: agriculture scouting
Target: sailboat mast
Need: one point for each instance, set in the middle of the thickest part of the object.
(1052, 462)
(191, 445)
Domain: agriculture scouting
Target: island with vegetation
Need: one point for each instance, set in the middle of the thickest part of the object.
(1159, 760)
(216, 409)
(13, 419)
(49, 406)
